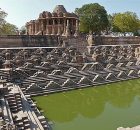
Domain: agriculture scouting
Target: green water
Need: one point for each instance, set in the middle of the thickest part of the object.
(105, 107)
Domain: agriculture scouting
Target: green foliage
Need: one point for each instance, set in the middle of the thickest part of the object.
(93, 17)
(2, 16)
(5, 27)
(23, 30)
(8, 29)
(125, 22)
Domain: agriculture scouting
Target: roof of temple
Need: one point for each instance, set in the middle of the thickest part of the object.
(59, 8)
(59, 11)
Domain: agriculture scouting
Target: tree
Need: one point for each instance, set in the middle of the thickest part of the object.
(5, 27)
(93, 17)
(125, 22)
(8, 29)
(23, 30)
(2, 16)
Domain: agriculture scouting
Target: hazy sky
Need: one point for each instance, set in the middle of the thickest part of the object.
(21, 11)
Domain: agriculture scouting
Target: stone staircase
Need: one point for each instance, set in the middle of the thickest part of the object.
(79, 42)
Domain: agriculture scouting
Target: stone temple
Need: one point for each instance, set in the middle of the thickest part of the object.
(59, 22)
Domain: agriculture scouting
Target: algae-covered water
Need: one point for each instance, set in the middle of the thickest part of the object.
(105, 107)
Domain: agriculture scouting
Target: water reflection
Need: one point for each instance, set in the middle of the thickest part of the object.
(90, 102)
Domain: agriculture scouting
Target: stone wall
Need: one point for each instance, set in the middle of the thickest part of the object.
(52, 41)
(28, 41)
(116, 40)
(10, 41)
(81, 41)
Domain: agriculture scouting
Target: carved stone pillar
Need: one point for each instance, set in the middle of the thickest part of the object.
(59, 28)
(64, 28)
(39, 26)
(47, 27)
(29, 29)
(53, 28)
(36, 27)
(76, 29)
(33, 27)
(42, 26)
(67, 29)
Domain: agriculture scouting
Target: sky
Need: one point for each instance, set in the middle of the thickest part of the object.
(22, 11)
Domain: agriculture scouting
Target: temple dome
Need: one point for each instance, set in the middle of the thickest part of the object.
(48, 14)
(54, 14)
(59, 8)
(41, 15)
(60, 14)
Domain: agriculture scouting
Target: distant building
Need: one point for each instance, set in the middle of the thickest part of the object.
(59, 22)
